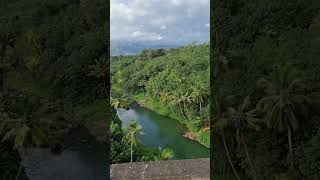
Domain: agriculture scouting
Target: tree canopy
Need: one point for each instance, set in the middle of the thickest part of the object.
(267, 50)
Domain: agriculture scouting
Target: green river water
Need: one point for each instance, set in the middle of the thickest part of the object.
(163, 132)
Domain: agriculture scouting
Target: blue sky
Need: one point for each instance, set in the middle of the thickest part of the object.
(170, 22)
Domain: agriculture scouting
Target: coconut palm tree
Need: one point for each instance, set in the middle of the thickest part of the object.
(240, 119)
(198, 94)
(177, 101)
(24, 132)
(284, 99)
(183, 101)
(132, 133)
(171, 101)
(219, 103)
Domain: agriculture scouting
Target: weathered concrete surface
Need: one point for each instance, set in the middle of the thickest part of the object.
(193, 169)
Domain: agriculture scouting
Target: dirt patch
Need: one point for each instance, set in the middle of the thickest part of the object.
(190, 135)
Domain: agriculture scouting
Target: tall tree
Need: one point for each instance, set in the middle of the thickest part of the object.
(24, 132)
(284, 100)
(197, 95)
(183, 101)
(132, 133)
(241, 119)
(220, 103)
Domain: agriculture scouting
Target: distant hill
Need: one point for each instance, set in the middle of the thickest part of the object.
(132, 48)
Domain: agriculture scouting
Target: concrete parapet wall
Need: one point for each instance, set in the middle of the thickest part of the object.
(193, 169)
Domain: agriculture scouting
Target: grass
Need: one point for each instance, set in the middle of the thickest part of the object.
(204, 138)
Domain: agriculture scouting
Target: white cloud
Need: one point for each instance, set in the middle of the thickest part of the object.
(148, 20)
(163, 27)
(145, 36)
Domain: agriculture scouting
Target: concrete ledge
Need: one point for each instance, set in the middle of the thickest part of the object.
(193, 169)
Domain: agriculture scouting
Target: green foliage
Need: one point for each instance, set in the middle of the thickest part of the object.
(52, 58)
(91, 112)
(204, 138)
(164, 154)
(308, 158)
(120, 150)
(173, 82)
(132, 132)
(9, 162)
(266, 50)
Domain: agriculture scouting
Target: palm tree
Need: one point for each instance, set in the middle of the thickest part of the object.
(171, 100)
(240, 119)
(283, 101)
(182, 101)
(219, 103)
(132, 133)
(115, 103)
(24, 132)
(164, 96)
(198, 94)
(177, 101)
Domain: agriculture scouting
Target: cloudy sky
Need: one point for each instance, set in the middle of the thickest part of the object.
(171, 22)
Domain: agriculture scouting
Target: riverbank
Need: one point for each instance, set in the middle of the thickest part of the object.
(202, 136)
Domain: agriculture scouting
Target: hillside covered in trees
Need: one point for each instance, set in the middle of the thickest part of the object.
(172, 82)
(52, 75)
(265, 89)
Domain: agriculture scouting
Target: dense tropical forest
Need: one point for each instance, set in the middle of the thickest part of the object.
(172, 82)
(265, 89)
(265, 85)
(53, 73)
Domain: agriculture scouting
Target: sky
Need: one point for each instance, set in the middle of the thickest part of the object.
(169, 22)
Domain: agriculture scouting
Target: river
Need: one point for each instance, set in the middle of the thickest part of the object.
(83, 159)
(160, 131)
